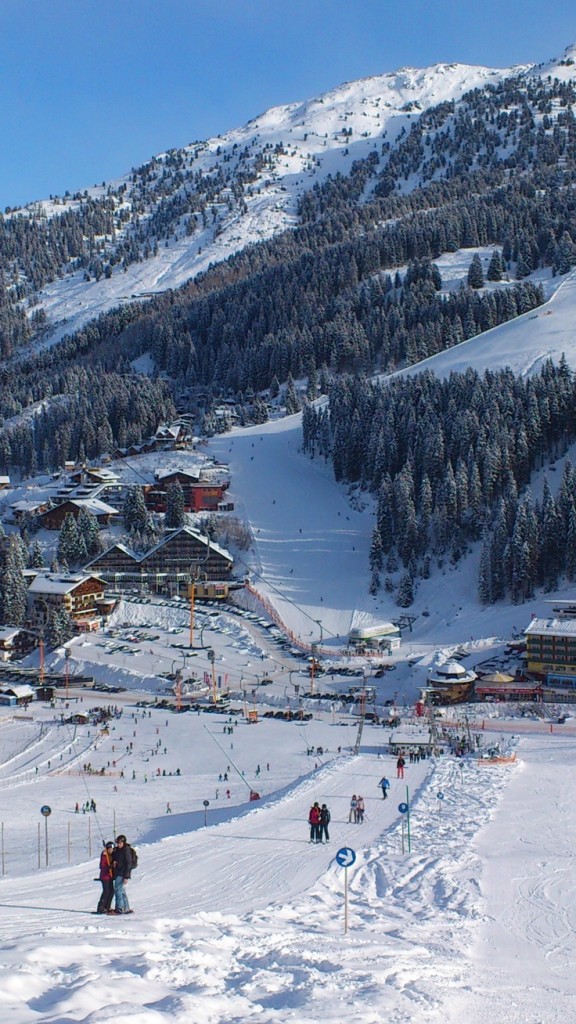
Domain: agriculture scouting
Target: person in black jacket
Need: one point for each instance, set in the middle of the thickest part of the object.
(122, 867)
(324, 822)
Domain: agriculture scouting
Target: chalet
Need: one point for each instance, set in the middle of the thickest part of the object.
(28, 507)
(134, 449)
(181, 555)
(54, 517)
(169, 436)
(16, 693)
(14, 642)
(94, 475)
(199, 495)
(78, 595)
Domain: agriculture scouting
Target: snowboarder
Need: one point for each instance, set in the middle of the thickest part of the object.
(384, 786)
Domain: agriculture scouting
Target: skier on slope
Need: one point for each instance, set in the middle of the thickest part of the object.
(384, 786)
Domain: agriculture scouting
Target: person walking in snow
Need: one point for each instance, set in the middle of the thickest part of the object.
(384, 786)
(400, 767)
(324, 822)
(314, 822)
(353, 808)
(360, 810)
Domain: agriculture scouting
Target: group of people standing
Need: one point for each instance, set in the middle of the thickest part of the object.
(319, 819)
(357, 809)
(116, 864)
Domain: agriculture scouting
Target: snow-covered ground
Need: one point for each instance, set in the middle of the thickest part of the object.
(242, 919)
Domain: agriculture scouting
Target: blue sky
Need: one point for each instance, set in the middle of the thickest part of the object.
(91, 88)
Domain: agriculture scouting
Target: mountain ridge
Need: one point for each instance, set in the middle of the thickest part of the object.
(248, 183)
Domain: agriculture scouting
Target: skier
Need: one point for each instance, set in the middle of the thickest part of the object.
(384, 786)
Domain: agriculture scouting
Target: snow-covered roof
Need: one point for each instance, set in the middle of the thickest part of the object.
(8, 633)
(552, 627)
(96, 506)
(42, 584)
(194, 475)
(192, 533)
(27, 504)
(19, 690)
(451, 672)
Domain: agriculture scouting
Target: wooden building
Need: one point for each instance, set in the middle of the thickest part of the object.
(78, 595)
(54, 517)
(180, 556)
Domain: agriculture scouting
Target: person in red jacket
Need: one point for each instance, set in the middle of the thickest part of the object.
(314, 822)
(107, 879)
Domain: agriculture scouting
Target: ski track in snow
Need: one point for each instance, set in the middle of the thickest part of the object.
(218, 949)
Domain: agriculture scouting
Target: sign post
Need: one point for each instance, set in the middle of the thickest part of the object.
(46, 812)
(440, 799)
(206, 804)
(345, 858)
(404, 809)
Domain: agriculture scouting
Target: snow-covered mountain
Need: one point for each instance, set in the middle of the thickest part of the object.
(188, 208)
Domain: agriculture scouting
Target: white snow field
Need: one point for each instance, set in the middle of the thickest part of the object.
(243, 919)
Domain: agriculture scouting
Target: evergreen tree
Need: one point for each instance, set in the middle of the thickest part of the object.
(90, 532)
(291, 400)
(175, 515)
(475, 273)
(13, 590)
(376, 551)
(405, 594)
(495, 267)
(135, 513)
(36, 557)
(71, 546)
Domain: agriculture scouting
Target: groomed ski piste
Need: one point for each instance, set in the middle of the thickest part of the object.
(242, 919)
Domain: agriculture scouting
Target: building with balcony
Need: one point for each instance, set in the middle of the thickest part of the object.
(79, 596)
(181, 555)
(551, 656)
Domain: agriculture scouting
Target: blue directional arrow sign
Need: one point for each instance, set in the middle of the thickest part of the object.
(403, 808)
(440, 795)
(345, 857)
